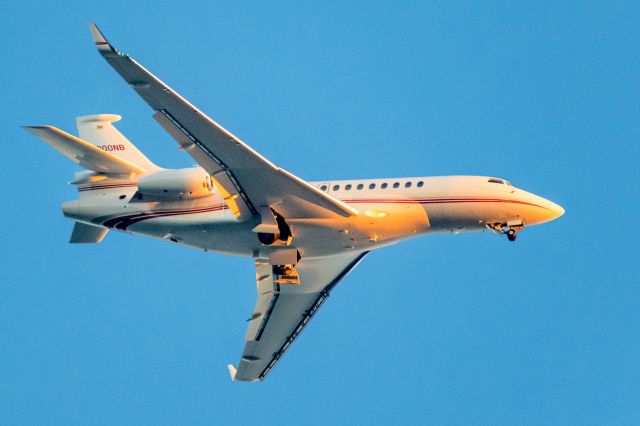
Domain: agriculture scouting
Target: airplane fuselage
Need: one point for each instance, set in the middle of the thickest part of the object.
(390, 210)
(304, 237)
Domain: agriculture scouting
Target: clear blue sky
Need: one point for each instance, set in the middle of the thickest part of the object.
(467, 329)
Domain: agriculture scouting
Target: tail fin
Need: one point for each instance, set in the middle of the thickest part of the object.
(99, 131)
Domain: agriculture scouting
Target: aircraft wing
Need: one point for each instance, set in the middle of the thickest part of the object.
(283, 310)
(247, 180)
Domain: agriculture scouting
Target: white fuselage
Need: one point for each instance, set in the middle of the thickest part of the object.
(390, 210)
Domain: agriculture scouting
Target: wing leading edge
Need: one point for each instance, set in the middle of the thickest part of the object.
(282, 311)
(247, 180)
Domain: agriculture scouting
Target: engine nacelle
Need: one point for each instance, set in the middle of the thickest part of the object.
(177, 184)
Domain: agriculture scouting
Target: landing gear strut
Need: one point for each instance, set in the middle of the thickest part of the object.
(506, 228)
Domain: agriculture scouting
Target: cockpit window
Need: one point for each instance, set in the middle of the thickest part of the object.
(494, 180)
(508, 183)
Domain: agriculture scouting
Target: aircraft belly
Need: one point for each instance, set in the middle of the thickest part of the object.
(465, 217)
(377, 225)
(204, 231)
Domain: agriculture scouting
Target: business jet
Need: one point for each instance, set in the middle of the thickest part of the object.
(304, 237)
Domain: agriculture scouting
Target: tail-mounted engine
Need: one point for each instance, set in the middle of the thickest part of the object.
(178, 184)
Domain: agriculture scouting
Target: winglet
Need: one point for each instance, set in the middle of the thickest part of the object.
(232, 371)
(102, 44)
(99, 38)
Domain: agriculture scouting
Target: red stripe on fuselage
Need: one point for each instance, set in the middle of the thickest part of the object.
(107, 186)
(122, 222)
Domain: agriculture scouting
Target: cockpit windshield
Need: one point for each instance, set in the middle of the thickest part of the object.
(500, 181)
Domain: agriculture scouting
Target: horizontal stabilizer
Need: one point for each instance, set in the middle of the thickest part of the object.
(82, 152)
(87, 234)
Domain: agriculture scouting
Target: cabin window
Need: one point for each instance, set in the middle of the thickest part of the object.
(360, 186)
(323, 188)
(420, 184)
(384, 185)
(348, 187)
(396, 184)
(407, 185)
(493, 180)
(372, 186)
(336, 187)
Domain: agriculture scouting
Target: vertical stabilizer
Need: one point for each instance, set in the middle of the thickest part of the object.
(99, 131)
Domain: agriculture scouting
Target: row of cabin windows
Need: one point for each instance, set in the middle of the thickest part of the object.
(383, 185)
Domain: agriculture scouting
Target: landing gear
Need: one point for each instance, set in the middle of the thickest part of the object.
(273, 228)
(510, 229)
(285, 274)
(267, 238)
(287, 271)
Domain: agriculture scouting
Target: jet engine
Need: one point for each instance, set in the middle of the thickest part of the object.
(179, 184)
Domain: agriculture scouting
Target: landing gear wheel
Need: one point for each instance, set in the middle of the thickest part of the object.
(511, 235)
(266, 238)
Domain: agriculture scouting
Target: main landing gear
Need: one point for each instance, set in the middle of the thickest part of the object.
(285, 274)
(512, 235)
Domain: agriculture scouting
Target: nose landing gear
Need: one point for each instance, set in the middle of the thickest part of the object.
(508, 229)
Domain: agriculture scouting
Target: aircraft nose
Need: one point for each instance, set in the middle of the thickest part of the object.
(555, 211)
(539, 210)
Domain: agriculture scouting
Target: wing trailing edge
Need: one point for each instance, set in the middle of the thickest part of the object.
(249, 179)
(282, 311)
